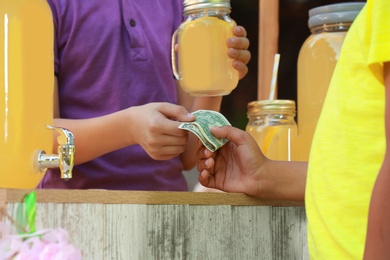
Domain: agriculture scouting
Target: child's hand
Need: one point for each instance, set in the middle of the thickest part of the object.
(238, 50)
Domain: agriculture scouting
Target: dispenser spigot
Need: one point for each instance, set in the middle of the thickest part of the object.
(64, 159)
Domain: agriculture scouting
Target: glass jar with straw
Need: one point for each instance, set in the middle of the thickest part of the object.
(272, 123)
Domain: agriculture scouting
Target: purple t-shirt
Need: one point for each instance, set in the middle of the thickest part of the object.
(111, 55)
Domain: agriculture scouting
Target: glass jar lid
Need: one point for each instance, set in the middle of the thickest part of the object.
(271, 106)
(190, 5)
(334, 13)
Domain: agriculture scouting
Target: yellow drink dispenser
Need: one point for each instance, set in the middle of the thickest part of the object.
(26, 96)
(317, 59)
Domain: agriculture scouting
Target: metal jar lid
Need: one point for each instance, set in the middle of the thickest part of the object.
(190, 5)
(271, 106)
(334, 13)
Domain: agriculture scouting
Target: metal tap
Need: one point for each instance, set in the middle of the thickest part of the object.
(64, 159)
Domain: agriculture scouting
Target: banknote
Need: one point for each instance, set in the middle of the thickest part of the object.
(201, 128)
(195, 130)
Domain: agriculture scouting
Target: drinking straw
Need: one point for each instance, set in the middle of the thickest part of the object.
(274, 76)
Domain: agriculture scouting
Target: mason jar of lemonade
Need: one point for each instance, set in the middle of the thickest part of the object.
(272, 124)
(200, 62)
(316, 62)
(26, 90)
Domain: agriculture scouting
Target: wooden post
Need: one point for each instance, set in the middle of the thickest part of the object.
(268, 45)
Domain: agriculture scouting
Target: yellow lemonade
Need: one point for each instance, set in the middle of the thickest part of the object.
(204, 66)
(275, 142)
(26, 90)
(271, 123)
(316, 62)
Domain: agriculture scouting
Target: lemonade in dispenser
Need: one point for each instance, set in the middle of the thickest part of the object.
(201, 63)
(26, 97)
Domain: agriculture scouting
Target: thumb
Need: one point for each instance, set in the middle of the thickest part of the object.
(176, 112)
(230, 133)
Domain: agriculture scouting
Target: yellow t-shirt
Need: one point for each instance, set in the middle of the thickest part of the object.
(349, 143)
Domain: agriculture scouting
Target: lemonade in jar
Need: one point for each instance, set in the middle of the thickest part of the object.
(201, 63)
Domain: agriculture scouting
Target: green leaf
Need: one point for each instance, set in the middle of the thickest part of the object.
(31, 209)
(21, 219)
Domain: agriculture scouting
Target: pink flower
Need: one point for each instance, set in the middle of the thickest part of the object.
(51, 244)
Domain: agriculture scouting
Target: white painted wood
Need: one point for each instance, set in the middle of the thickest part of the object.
(176, 231)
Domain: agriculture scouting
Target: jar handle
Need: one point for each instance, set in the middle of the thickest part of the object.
(173, 56)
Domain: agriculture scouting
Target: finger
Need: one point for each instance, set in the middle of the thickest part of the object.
(176, 112)
(243, 56)
(241, 68)
(206, 179)
(240, 43)
(239, 31)
(203, 153)
(162, 157)
(156, 144)
(165, 127)
(199, 144)
(204, 165)
(166, 152)
(173, 138)
(208, 154)
(200, 153)
(236, 135)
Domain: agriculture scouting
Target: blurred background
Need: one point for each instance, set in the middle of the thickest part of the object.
(293, 31)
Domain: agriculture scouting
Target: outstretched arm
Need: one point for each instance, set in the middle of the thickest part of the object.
(240, 166)
(149, 125)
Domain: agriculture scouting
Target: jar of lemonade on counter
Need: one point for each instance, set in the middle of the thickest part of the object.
(316, 62)
(272, 124)
(200, 62)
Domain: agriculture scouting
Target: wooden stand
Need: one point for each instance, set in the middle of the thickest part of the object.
(170, 225)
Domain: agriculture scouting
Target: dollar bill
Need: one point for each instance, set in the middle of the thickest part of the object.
(201, 128)
(195, 130)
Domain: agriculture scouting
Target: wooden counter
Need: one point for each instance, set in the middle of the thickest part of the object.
(170, 225)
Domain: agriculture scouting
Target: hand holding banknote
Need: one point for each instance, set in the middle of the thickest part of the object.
(205, 119)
